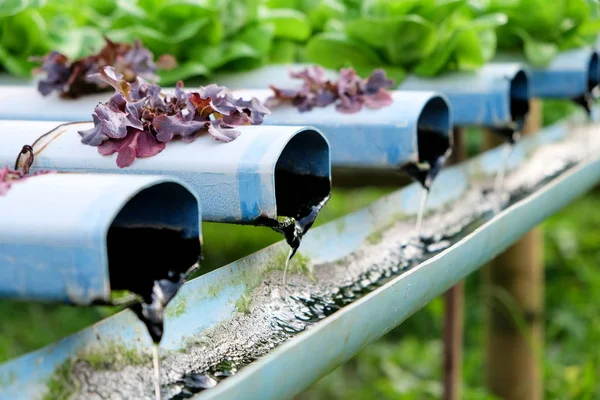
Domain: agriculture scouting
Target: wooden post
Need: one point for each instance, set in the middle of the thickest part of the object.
(514, 297)
(454, 300)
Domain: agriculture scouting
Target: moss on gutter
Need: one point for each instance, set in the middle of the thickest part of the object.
(62, 384)
(114, 357)
(7, 380)
(177, 307)
(243, 304)
(377, 235)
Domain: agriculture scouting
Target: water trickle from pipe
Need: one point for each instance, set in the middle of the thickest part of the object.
(499, 180)
(421, 212)
(156, 365)
(285, 272)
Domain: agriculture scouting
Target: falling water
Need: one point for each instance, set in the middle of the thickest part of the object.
(424, 196)
(156, 364)
(434, 148)
(499, 181)
(285, 272)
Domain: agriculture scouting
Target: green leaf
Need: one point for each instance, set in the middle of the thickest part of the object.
(537, 52)
(81, 42)
(12, 7)
(214, 57)
(334, 25)
(590, 27)
(388, 8)
(489, 21)
(438, 11)
(404, 40)
(438, 61)
(468, 51)
(488, 41)
(321, 11)
(289, 24)
(258, 36)
(15, 65)
(23, 32)
(335, 51)
(283, 52)
(184, 71)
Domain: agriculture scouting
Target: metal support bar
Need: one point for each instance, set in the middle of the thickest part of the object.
(514, 283)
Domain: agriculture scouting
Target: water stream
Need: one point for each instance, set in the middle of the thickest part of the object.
(421, 211)
(499, 181)
(156, 366)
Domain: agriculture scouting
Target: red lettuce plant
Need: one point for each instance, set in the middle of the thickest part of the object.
(349, 93)
(139, 120)
(9, 176)
(72, 78)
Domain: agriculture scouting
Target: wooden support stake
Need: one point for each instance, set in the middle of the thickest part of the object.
(514, 297)
(454, 300)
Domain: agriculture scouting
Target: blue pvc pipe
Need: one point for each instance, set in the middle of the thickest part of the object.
(54, 227)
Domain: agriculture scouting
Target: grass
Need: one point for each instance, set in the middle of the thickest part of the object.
(406, 363)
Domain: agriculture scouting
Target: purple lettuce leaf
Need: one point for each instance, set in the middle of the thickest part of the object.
(381, 99)
(137, 144)
(169, 126)
(221, 133)
(73, 78)
(377, 81)
(139, 120)
(349, 94)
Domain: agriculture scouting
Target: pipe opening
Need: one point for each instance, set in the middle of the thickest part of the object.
(302, 173)
(433, 141)
(302, 184)
(519, 99)
(154, 236)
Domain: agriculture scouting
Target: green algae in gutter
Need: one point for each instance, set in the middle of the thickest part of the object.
(62, 384)
(7, 380)
(377, 235)
(177, 307)
(250, 278)
(243, 304)
(114, 357)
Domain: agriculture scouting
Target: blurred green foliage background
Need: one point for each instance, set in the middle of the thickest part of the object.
(425, 37)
